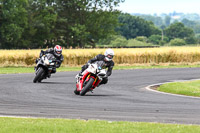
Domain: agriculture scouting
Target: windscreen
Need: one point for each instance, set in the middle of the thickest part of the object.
(100, 64)
(50, 57)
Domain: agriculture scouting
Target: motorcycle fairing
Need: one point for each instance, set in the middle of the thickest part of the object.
(87, 75)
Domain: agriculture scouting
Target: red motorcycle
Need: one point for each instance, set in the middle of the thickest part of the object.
(92, 76)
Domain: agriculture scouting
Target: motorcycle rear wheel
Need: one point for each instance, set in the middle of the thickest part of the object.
(87, 87)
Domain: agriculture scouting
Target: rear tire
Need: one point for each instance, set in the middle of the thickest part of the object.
(87, 87)
(39, 75)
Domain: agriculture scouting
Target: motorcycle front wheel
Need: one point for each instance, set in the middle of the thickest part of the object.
(87, 87)
(39, 75)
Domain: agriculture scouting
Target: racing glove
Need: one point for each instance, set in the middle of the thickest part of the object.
(41, 53)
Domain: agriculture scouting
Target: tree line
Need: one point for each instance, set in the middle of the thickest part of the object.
(76, 23)
(135, 26)
(136, 31)
(42, 23)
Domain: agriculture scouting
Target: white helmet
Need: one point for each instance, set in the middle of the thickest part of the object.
(57, 50)
(109, 53)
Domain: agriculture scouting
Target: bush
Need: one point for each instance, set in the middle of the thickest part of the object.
(134, 42)
(113, 41)
(141, 38)
(119, 41)
(157, 39)
(191, 40)
(197, 36)
(177, 42)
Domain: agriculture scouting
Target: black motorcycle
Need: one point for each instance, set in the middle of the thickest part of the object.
(46, 65)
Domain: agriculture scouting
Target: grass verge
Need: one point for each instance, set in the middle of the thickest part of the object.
(188, 88)
(9, 70)
(31, 125)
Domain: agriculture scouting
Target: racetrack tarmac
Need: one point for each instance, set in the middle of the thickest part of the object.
(124, 98)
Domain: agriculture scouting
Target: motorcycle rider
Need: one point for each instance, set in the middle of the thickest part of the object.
(107, 58)
(57, 52)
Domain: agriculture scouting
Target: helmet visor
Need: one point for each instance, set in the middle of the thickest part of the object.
(58, 52)
(110, 56)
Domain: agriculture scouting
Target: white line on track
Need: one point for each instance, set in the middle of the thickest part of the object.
(158, 84)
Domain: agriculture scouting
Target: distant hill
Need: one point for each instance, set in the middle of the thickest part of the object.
(174, 15)
(191, 20)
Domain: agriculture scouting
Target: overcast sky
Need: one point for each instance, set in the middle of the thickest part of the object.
(160, 6)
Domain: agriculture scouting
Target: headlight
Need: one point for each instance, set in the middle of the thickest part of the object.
(102, 73)
(46, 62)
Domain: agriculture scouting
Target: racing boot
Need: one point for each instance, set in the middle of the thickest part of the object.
(49, 75)
(78, 75)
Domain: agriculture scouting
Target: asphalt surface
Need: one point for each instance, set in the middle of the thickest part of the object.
(124, 98)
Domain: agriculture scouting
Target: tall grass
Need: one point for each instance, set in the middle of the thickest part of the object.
(74, 57)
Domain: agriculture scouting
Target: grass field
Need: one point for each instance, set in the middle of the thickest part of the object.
(189, 88)
(31, 125)
(76, 57)
(10, 70)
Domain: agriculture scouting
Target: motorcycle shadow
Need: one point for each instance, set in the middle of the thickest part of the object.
(53, 83)
(99, 95)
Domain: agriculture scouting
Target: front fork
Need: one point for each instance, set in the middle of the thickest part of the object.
(96, 82)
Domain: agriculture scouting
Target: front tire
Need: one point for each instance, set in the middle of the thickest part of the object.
(87, 87)
(39, 75)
